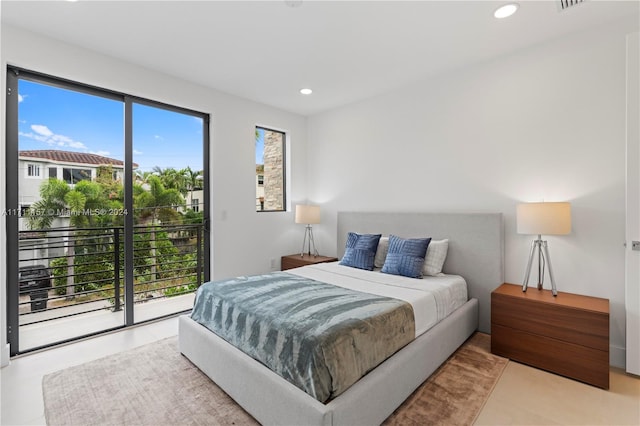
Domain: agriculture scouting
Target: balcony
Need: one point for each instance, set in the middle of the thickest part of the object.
(71, 281)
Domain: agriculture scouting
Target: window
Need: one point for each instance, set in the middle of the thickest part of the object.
(72, 176)
(195, 205)
(33, 170)
(270, 170)
(53, 173)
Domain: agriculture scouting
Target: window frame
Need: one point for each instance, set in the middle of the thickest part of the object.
(72, 171)
(34, 166)
(285, 136)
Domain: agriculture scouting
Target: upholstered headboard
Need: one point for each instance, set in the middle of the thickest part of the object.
(476, 245)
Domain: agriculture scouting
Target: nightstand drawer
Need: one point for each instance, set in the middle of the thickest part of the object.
(577, 362)
(568, 324)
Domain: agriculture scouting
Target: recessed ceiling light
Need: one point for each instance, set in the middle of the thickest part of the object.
(306, 91)
(506, 10)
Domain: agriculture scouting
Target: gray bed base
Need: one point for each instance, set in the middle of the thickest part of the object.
(475, 252)
(272, 400)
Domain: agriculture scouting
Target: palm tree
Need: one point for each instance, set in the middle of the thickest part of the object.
(42, 213)
(140, 177)
(155, 206)
(193, 180)
(84, 199)
(172, 178)
(58, 199)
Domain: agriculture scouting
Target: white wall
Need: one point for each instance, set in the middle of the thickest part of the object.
(547, 123)
(244, 242)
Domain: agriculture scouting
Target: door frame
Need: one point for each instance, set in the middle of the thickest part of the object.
(14, 74)
(632, 257)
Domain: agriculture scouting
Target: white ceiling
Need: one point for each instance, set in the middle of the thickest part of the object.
(344, 50)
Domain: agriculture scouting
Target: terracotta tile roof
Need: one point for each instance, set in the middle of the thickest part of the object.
(72, 157)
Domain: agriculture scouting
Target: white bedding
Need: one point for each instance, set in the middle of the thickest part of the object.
(432, 298)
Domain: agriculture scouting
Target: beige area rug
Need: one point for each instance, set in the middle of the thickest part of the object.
(456, 392)
(155, 385)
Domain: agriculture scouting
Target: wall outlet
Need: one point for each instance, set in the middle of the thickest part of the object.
(274, 264)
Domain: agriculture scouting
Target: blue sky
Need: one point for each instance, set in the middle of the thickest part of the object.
(54, 118)
(260, 147)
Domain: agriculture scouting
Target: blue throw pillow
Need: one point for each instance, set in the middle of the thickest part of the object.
(406, 256)
(360, 250)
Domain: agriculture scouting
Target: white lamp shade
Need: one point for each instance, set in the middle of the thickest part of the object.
(544, 218)
(309, 215)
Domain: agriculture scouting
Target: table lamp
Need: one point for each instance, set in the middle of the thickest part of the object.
(542, 219)
(308, 215)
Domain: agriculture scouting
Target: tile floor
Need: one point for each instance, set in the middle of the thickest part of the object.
(523, 395)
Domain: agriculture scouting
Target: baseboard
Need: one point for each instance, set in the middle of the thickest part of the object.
(617, 357)
(4, 356)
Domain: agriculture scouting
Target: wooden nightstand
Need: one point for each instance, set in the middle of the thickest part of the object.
(295, 261)
(567, 334)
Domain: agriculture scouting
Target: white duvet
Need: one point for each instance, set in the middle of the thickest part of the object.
(432, 298)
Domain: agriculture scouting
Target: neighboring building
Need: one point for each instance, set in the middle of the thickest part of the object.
(259, 186)
(36, 166)
(72, 167)
(194, 200)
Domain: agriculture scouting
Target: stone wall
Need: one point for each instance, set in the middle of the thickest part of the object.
(273, 171)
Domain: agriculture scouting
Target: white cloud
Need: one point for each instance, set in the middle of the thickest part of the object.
(41, 130)
(42, 133)
(103, 153)
(135, 151)
(33, 136)
(77, 145)
(158, 137)
(21, 98)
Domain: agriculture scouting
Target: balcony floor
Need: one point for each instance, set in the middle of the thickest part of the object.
(35, 334)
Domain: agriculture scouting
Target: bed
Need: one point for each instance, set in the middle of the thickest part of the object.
(475, 252)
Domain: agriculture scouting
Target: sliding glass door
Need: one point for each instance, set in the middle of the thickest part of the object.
(168, 210)
(107, 207)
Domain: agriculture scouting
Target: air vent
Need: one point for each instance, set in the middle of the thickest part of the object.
(565, 4)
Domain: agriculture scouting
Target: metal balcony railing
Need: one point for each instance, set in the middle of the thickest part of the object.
(71, 271)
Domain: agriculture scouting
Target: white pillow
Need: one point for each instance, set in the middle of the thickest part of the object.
(436, 255)
(381, 252)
